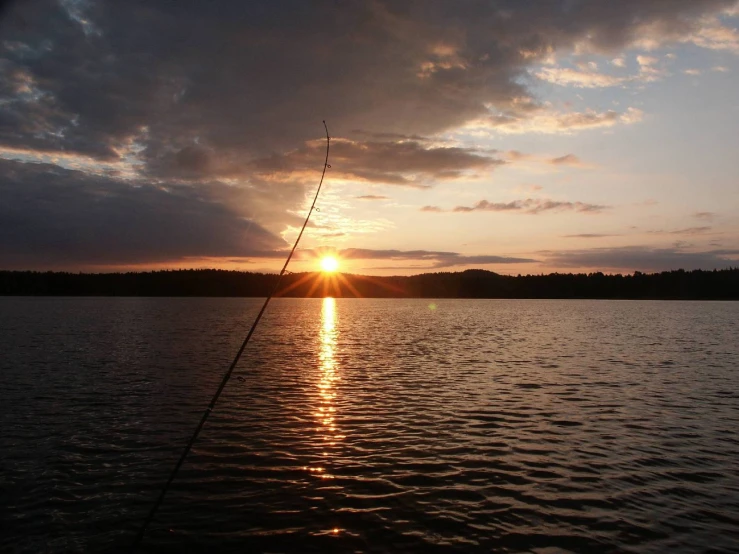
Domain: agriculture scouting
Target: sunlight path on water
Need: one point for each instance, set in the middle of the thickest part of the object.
(328, 368)
(326, 414)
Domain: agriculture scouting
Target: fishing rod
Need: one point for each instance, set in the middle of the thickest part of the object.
(227, 376)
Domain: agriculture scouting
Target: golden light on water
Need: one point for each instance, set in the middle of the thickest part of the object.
(328, 363)
(325, 413)
(329, 264)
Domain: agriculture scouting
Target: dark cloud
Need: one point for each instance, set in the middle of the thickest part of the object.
(531, 206)
(53, 217)
(372, 197)
(458, 260)
(397, 163)
(641, 258)
(247, 77)
(437, 259)
(431, 209)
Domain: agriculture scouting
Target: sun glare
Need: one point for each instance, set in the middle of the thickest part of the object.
(329, 264)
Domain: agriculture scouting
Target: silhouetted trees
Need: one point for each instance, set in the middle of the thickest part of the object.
(474, 283)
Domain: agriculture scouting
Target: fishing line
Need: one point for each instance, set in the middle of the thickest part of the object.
(228, 373)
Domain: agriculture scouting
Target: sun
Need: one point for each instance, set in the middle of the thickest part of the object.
(329, 264)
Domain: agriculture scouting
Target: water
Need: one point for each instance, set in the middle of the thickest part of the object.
(371, 425)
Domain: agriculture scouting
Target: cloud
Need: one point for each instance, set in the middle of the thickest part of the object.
(516, 155)
(557, 122)
(513, 156)
(431, 209)
(705, 30)
(589, 236)
(532, 206)
(379, 136)
(691, 231)
(579, 79)
(247, 78)
(685, 231)
(704, 215)
(372, 197)
(593, 119)
(53, 217)
(649, 71)
(588, 76)
(406, 163)
(692, 71)
(713, 35)
(437, 259)
(567, 159)
(458, 260)
(641, 258)
(221, 101)
(646, 61)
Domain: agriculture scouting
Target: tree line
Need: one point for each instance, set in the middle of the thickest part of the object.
(474, 283)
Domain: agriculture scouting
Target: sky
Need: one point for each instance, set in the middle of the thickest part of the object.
(517, 136)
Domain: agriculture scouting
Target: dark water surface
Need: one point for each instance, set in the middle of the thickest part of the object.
(371, 425)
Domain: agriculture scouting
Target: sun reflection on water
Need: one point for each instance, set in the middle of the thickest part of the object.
(326, 413)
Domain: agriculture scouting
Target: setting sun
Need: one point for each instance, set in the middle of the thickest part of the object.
(329, 264)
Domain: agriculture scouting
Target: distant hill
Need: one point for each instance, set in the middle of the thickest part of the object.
(473, 283)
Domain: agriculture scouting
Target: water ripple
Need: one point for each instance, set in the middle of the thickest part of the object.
(371, 425)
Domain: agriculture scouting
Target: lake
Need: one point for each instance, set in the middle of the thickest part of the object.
(368, 425)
